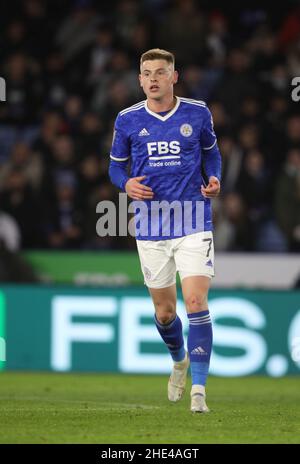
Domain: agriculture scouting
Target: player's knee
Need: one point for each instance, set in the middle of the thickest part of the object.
(165, 312)
(196, 302)
(165, 318)
(164, 305)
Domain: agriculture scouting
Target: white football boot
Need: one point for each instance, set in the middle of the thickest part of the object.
(198, 403)
(177, 380)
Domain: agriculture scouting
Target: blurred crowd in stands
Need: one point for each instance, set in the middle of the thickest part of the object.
(71, 66)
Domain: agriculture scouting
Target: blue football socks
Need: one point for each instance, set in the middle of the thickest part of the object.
(199, 345)
(171, 334)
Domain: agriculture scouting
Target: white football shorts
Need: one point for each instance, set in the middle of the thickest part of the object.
(191, 255)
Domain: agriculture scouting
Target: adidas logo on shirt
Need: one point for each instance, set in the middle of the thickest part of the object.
(143, 132)
(198, 350)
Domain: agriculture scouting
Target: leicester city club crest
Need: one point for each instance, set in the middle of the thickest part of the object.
(186, 130)
(147, 273)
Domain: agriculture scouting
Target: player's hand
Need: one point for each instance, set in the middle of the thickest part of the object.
(212, 189)
(138, 191)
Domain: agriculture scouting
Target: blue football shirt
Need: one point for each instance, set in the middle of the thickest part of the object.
(167, 149)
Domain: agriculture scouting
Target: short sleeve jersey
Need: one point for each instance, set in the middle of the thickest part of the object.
(167, 149)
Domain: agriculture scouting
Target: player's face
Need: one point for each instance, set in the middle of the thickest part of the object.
(157, 78)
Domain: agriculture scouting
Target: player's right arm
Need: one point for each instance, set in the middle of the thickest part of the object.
(118, 168)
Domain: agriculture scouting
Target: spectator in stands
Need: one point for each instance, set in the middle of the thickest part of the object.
(24, 93)
(232, 227)
(20, 201)
(29, 163)
(13, 267)
(231, 162)
(64, 217)
(254, 185)
(78, 30)
(287, 199)
(174, 34)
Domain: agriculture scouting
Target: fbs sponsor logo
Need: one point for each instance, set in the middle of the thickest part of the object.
(163, 149)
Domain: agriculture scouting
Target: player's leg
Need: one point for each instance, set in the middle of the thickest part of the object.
(195, 290)
(159, 271)
(164, 300)
(194, 257)
(169, 327)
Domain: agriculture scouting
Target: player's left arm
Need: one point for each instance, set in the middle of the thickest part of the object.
(211, 158)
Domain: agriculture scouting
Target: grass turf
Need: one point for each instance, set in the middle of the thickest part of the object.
(102, 408)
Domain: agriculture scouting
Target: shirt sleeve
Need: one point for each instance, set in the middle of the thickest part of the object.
(120, 150)
(211, 156)
(212, 162)
(118, 174)
(208, 136)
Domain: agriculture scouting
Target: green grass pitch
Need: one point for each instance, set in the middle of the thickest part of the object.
(107, 408)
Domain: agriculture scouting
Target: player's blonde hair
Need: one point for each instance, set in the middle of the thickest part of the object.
(158, 54)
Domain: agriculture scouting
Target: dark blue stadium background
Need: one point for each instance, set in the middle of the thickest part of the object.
(70, 66)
